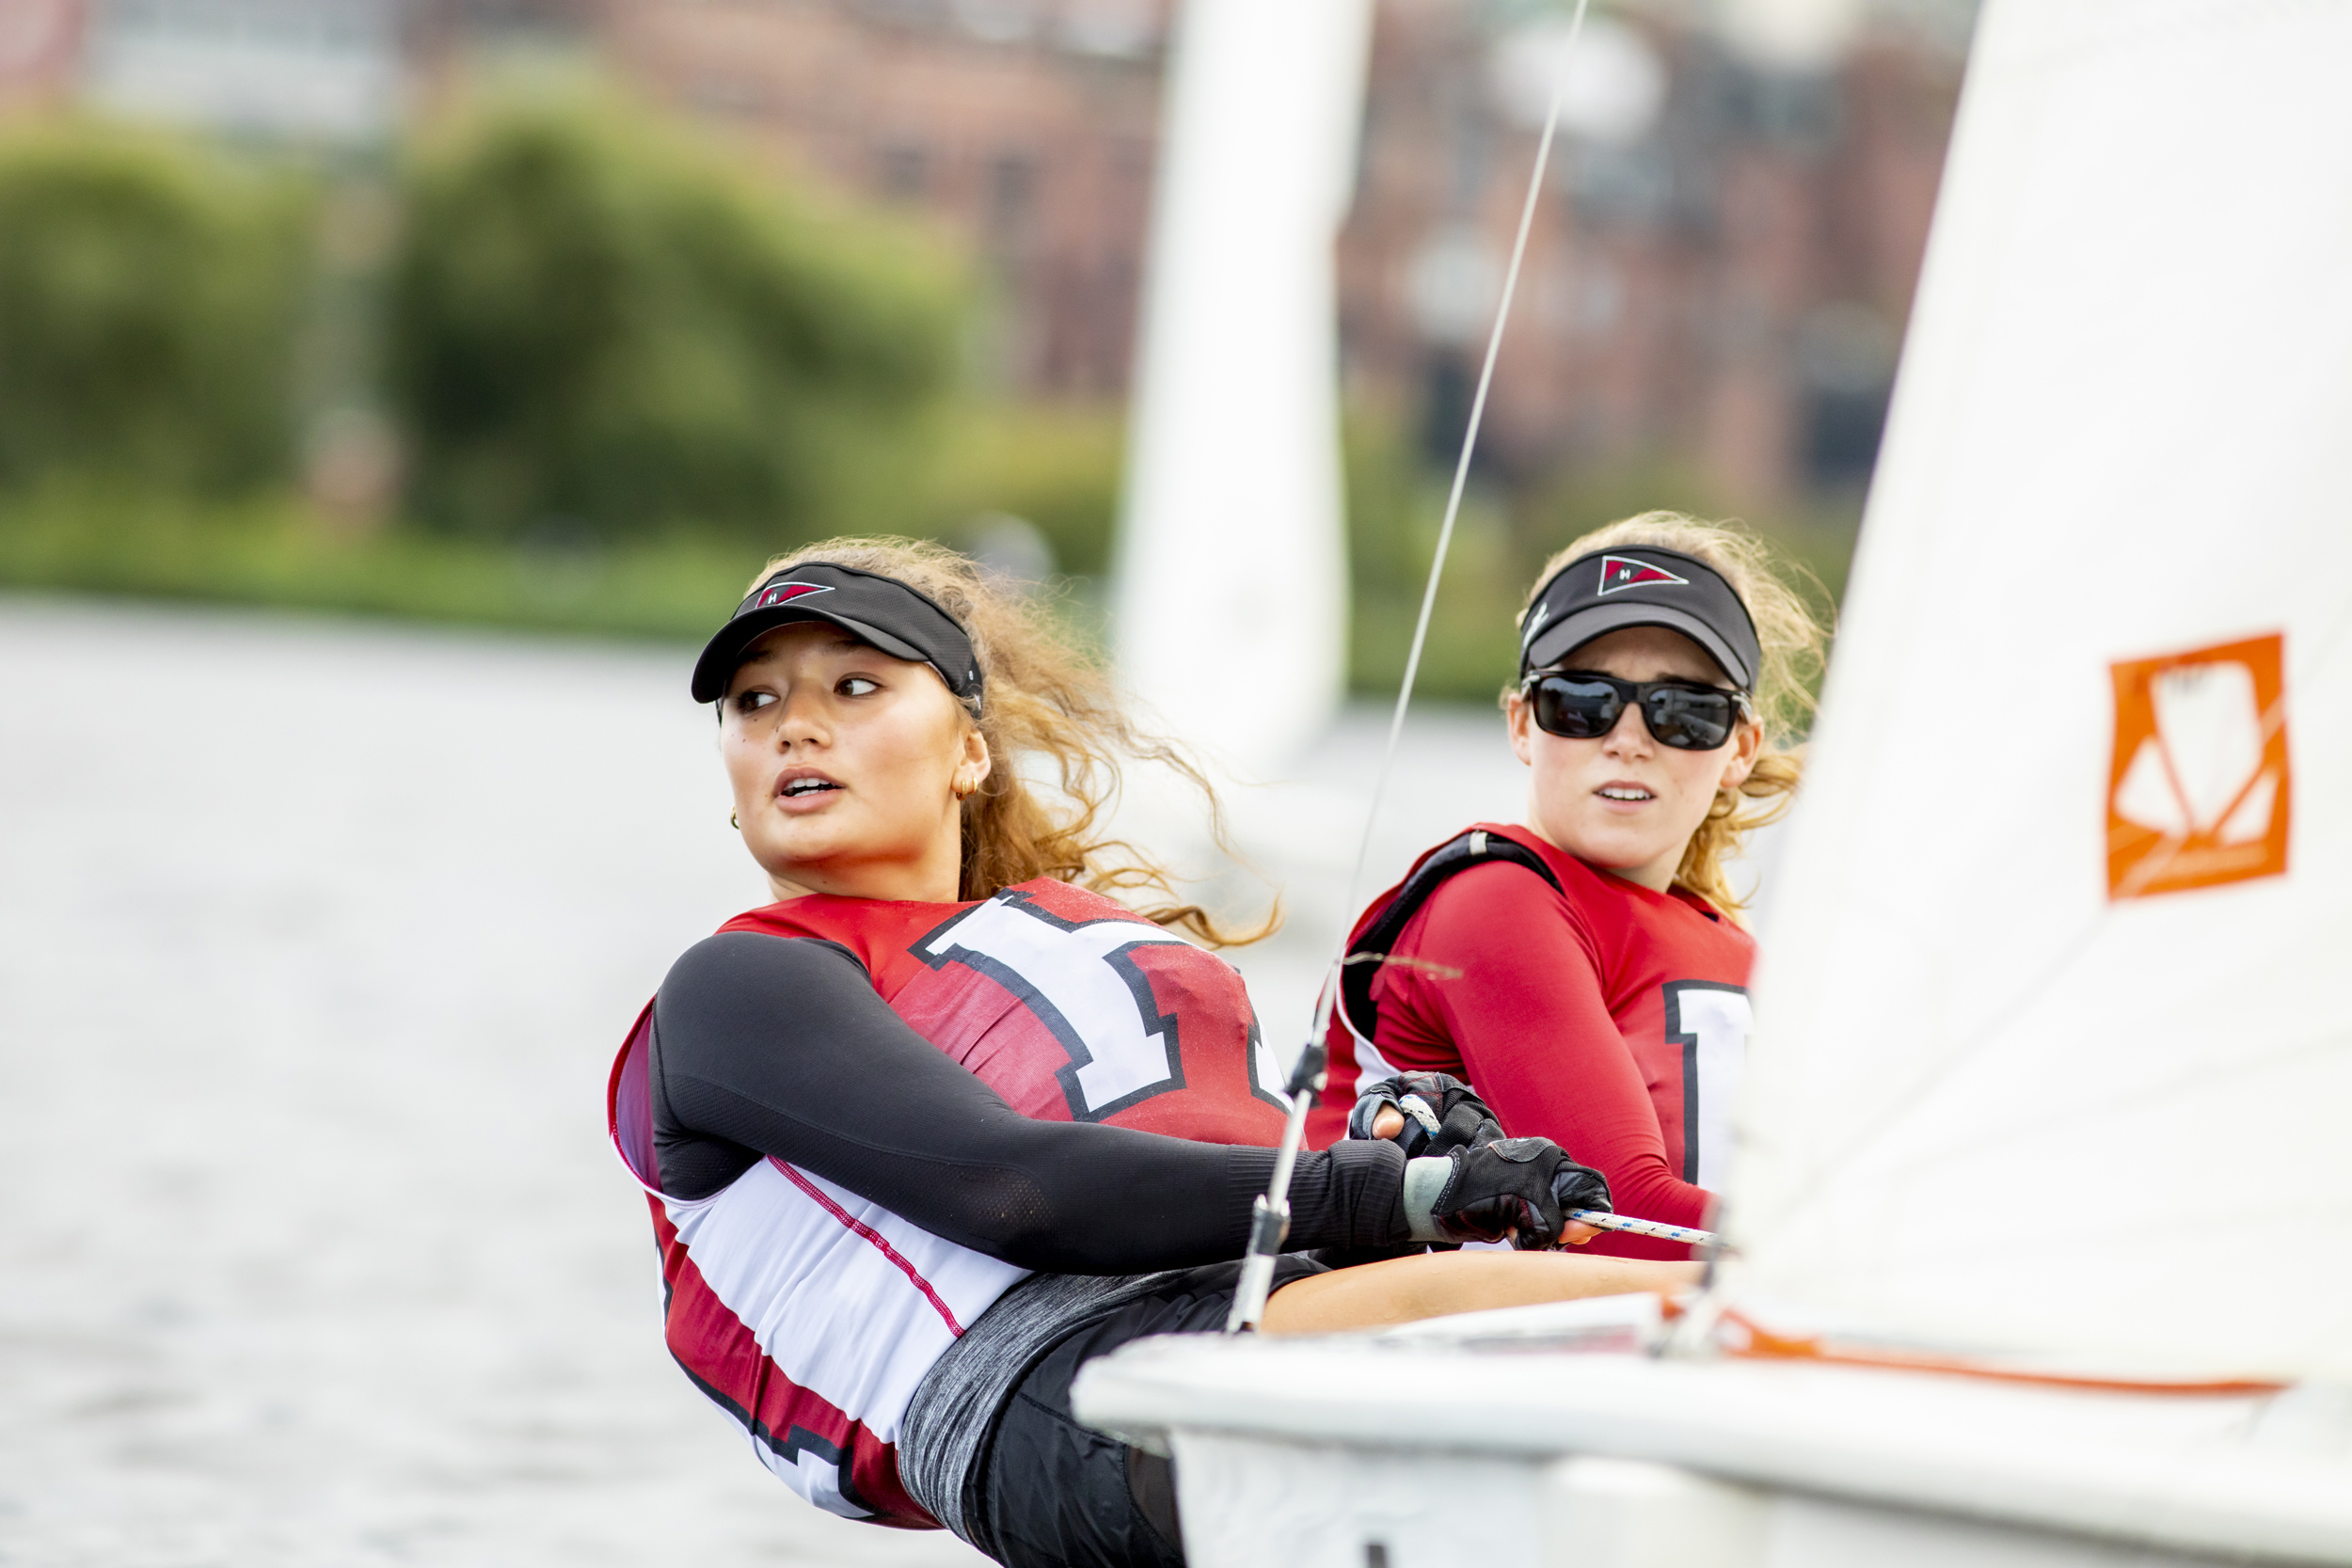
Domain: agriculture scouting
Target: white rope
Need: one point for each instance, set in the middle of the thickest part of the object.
(1601, 1220)
(1307, 1081)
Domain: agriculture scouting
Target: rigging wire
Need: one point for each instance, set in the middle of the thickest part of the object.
(1272, 1217)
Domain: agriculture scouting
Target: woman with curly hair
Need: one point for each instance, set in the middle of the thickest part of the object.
(945, 1119)
(1585, 969)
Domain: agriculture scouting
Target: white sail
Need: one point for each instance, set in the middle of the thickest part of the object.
(1229, 616)
(2056, 1048)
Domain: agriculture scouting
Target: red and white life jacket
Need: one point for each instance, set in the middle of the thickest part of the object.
(810, 1314)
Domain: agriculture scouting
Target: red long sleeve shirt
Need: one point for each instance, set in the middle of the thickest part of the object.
(1605, 1016)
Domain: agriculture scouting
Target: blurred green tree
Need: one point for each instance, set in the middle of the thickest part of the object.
(1056, 466)
(151, 290)
(1395, 505)
(598, 326)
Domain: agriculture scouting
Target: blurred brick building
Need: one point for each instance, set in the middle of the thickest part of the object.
(1720, 275)
(1025, 126)
(40, 48)
(1721, 268)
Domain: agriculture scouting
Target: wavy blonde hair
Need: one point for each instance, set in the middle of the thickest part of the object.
(1042, 701)
(1795, 646)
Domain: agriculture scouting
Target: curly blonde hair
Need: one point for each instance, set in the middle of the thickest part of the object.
(1045, 702)
(1795, 646)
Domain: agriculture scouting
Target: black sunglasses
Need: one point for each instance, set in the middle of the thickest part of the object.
(1685, 714)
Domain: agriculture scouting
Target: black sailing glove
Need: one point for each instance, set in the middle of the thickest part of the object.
(1516, 1189)
(1441, 1113)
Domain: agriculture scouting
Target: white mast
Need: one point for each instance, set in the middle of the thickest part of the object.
(1230, 611)
(2019, 1085)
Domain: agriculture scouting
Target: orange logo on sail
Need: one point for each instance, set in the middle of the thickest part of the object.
(2198, 788)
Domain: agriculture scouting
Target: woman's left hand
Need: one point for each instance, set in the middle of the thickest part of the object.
(1579, 1187)
(1463, 1121)
(1427, 1114)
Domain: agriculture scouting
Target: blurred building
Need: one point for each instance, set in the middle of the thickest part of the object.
(40, 51)
(1720, 270)
(1720, 276)
(331, 69)
(302, 70)
(1027, 126)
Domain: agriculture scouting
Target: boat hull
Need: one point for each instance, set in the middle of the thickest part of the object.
(1256, 1503)
(1410, 1455)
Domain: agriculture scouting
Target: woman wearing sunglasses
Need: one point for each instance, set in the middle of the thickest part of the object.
(1583, 971)
(943, 1122)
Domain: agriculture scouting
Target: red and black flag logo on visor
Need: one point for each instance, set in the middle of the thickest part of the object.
(1618, 571)
(785, 593)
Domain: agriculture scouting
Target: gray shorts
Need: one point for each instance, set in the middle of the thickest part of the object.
(948, 1455)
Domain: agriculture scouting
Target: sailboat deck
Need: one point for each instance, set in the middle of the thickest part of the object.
(2241, 1476)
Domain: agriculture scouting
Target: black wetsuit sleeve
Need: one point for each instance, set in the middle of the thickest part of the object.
(778, 1046)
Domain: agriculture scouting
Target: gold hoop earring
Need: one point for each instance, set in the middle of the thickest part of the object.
(733, 823)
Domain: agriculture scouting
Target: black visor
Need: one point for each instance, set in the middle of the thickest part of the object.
(899, 620)
(1640, 585)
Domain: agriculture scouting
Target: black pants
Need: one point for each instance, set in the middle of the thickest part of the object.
(1055, 1494)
